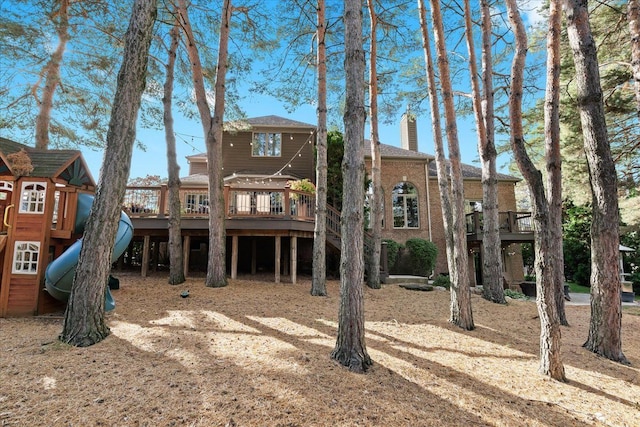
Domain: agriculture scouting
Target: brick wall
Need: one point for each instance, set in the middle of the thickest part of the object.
(413, 171)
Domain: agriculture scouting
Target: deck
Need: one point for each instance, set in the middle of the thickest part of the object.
(515, 227)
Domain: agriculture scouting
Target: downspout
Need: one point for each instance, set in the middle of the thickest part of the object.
(426, 179)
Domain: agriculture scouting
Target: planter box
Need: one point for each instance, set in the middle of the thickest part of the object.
(528, 288)
(628, 296)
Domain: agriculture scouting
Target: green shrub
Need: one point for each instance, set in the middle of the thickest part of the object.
(442, 280)
(393, 248)
(582, 276)
(422, 255)
(577, 261)
(514, 294)
(635, 279)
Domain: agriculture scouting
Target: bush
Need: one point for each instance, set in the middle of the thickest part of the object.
(442, 280)
(582, 276)
(514, 294)
(635, 279)
(393, 248)
(577, 261)
(422, 255)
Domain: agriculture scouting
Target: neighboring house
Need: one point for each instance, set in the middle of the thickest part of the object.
(270, 227)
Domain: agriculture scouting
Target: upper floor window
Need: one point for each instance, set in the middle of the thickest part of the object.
(25, 257)
(266, 144)
(405, 206)
(33, 195)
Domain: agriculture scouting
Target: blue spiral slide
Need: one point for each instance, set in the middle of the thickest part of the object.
(60, 272)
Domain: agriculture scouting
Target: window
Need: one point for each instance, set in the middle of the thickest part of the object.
(33, 195)
(197, 203)
(405, 206)
(25, 258)
(266, 145)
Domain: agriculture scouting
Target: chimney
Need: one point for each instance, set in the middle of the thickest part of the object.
(408, 132)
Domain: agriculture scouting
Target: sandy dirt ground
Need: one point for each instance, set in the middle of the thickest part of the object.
(256, 353)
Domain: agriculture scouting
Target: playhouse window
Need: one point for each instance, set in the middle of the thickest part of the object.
(25, 257)
(405, 206)
(266, 144)
(33, 195)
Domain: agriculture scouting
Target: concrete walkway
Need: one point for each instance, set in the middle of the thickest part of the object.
(585, 299)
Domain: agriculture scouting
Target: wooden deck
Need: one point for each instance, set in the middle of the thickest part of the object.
(515, 227)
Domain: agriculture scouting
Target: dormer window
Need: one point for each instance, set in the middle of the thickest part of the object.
(33, 195)
(266, 144)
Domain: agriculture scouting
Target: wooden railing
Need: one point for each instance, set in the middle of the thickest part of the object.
(152, 201)
(510, 222)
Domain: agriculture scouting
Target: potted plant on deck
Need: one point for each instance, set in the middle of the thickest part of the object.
(302, 203)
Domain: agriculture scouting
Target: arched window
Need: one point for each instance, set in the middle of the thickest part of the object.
(405, 206)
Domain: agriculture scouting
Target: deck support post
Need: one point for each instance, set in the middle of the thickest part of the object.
(294, 259)
(234, 257)
(145, 255)
(277, 260)
(186, 252)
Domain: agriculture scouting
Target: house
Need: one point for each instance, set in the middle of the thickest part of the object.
(45, 198)
(270, 226)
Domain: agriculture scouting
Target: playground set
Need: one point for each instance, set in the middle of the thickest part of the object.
(45, 199)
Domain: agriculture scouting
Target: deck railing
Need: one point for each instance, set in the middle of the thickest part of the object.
(510, 222)
(152, 201)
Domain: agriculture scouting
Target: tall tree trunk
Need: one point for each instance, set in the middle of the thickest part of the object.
(350, 349)
(461, 314)
(212, 128)
(319, 278)
(52, 79)
(373, 280)
(606, 312)
(217, 271)
(84, 318)
(633, 16)
(441, 165)
(493, 289)
(176, 262)
(552, 153)
(550, 343)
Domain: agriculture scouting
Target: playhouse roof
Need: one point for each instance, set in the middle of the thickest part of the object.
(68, 165)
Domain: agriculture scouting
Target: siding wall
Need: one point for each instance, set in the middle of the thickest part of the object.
(236, 151)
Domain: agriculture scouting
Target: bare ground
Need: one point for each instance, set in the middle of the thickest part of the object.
(256, 353)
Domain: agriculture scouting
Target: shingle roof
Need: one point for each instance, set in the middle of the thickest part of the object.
(268, 121)
(390, 151)
(471, 172)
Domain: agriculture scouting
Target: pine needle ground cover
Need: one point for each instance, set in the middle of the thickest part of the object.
(256, 353)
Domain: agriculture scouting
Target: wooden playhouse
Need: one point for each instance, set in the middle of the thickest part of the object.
(39, 192)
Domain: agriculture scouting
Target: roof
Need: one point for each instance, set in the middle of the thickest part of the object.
(266, 121)
(66, 164)
(471, 172)
(392, 152)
